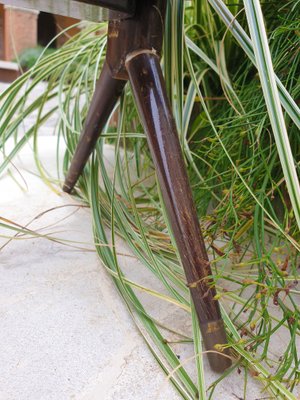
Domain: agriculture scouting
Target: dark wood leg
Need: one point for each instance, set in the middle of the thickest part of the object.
(134, 46)
(149, 90)
(107, 93)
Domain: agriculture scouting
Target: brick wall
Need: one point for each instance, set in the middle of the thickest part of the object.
(63, 23)
(1, 31)
(20, 31)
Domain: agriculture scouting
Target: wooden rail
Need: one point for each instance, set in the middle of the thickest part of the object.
(68, 8)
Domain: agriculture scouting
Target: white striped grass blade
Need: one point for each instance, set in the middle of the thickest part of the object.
(271, 95)
(244, 41)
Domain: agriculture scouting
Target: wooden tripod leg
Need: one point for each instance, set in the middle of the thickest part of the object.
(149, 90)
(107, 93)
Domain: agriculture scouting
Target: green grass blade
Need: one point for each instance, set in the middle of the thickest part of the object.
(244, 41)
(270, 90)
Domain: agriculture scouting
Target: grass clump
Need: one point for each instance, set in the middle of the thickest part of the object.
(237, 175)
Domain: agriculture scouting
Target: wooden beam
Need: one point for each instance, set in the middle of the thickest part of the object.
(69, 8)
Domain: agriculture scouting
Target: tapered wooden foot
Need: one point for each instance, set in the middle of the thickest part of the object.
(149, 90)
(107, 93)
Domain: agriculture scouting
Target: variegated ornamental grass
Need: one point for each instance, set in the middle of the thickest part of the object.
(234, 100)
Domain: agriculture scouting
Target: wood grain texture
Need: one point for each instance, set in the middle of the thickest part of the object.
(90, 10)
(155, 112)
(107, 93)
(144, 31)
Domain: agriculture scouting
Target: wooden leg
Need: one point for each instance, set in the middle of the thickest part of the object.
(107, 93)
(149, 90)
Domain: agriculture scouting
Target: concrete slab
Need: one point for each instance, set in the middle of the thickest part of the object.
(65, 332)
